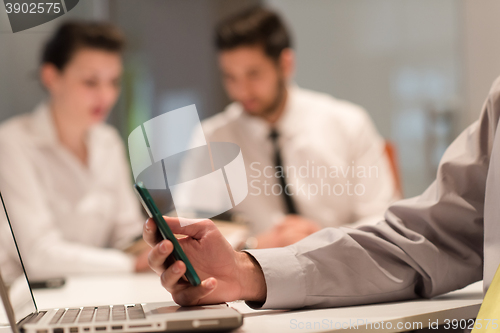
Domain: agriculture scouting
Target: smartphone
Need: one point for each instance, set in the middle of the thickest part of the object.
(165, 231)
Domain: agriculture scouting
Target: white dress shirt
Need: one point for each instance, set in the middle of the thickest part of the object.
(443, 240)
(67, 217)
(322, 139)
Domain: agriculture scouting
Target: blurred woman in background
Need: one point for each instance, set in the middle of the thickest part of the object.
(63, 172)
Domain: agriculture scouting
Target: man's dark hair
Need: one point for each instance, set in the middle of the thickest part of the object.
(72, 36)
(255, 26)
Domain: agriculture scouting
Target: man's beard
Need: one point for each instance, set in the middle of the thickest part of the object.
(272, 108)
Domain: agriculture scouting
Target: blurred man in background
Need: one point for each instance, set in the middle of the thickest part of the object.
(312, 161)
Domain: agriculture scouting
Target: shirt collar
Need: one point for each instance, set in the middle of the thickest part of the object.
(43, 125)
(286, 125)
(45, 132)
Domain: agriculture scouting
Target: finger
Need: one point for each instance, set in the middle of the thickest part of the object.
(158, 255)
(171, 277)
(149, 233)
(189, 227)
(194, 295)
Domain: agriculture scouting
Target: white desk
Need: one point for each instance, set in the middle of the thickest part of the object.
(135, 288)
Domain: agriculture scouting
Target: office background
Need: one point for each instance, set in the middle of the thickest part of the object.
(421, 68)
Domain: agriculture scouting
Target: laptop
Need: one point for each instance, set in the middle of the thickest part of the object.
(23, 315)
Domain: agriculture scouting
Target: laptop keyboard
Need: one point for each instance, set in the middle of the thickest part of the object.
(99, 314)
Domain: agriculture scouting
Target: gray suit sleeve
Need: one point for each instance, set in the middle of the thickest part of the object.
(427, 245)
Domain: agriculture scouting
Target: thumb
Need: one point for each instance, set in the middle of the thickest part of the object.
(194, 228)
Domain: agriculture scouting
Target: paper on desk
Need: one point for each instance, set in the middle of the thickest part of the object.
(488, 318)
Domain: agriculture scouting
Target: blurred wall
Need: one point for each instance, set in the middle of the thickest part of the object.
(481, 51)
(421, 68)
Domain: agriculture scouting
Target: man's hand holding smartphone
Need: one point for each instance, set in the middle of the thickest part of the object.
(226, 275)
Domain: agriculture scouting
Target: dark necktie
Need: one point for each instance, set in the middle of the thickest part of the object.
(290, 206)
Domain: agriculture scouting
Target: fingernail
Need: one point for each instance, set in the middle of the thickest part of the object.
(163, 248)
(175, 269)
(210, 284)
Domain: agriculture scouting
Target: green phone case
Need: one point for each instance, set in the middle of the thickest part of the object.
(153, 212)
